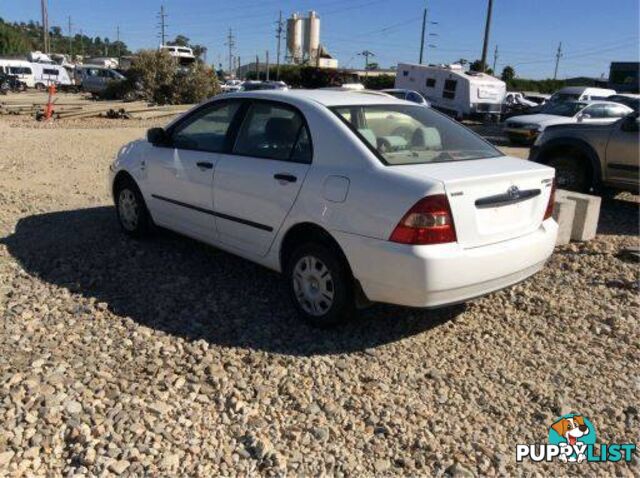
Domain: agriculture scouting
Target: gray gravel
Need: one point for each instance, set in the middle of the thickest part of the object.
(170, 358)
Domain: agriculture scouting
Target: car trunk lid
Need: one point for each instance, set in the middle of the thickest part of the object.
(492, 200)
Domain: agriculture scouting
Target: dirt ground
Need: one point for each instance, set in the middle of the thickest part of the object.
(170, 358)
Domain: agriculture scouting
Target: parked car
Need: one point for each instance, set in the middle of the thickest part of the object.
(589, 156)
(408, 95)
(581, 93)
(264, 85)
(349, 195)
(526, 128)
(627, 99)
(231, 86)
(95, 79)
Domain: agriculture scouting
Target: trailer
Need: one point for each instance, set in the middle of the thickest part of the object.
(450, 89)
(46, 74)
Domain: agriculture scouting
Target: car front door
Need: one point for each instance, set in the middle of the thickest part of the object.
(180, 174)
(257, 183)
(623, 151)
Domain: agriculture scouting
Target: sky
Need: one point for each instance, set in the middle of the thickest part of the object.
(527, 32)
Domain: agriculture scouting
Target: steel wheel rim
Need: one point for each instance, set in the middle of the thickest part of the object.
(313, 286)
(128, 209)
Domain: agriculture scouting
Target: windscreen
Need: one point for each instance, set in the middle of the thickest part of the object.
(406, 134)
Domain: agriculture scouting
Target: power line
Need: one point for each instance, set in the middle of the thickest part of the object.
(558, 56)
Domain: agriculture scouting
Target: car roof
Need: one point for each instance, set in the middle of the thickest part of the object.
(324, 97)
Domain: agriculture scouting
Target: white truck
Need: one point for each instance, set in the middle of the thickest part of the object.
(458, 93)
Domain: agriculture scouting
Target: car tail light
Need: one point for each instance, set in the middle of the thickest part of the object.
(429, 221)
(552, 200)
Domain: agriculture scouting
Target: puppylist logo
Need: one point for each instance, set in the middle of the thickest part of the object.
(572, 439)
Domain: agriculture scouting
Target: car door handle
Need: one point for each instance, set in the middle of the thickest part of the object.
(204, 165)
(290, 178)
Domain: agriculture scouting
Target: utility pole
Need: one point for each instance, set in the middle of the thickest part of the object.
(45, 25)
(231, 43)
(366, 54)
(70, 39)
(119, 46)
(279, 31)
(487, 28)
(267, 65)
(81, 43)
(558, 56)
(424, 27)
(495, 59)
(163, 24)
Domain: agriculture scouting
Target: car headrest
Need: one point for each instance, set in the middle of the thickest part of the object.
(281, 130)
(427, 138)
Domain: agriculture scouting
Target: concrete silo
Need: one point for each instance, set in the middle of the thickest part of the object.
(294, 38)
(311, 42)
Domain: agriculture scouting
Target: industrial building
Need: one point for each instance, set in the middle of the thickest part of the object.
(303, 42)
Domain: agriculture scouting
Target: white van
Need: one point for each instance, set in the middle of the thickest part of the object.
(20, 68)
(48, 74)
(581, 93)
(449, 88)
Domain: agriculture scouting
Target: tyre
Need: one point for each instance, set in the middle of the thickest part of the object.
(320, 285)
(40, 87)
(571, 173)
(131, 209)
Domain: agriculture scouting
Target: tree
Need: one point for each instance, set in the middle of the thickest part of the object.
(180, 40)
(477, 66)
(508, 74)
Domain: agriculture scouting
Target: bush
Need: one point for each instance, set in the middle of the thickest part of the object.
(155, 76)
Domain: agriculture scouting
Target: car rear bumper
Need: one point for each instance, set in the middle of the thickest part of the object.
(439, 275)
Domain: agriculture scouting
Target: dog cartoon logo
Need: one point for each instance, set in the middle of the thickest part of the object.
(575, 431)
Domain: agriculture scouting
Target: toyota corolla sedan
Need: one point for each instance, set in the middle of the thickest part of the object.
(355, 198)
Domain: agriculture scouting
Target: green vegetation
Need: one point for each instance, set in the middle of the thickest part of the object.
(21, 38)
(155, 77)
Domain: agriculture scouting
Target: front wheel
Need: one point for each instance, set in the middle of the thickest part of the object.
(133, 215)
(320, 285)
(571, 173)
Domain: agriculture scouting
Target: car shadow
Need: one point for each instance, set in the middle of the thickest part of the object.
(619, 216)
(188, 289)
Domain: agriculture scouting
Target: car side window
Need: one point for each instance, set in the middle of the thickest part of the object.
(206, 129)
(615, 111)
(273, 131)
(594, 111)
(411, 96)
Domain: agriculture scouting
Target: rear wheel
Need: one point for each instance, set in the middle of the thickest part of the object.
(133, 215)
(571, 173)
(320, 285)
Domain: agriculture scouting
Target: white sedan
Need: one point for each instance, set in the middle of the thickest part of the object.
(354, 197)
(526, 128)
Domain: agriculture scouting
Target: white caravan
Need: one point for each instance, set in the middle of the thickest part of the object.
(50, 74)
(452, 90)
(19, 68)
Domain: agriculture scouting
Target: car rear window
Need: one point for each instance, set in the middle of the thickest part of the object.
(407, 134)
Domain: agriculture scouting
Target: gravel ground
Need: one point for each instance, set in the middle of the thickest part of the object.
(167, 357)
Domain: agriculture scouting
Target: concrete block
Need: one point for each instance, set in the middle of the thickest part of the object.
(587, 213)
(563, 213)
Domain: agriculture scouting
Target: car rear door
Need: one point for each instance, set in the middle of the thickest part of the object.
(258, 181)
(623, 152)
(180, 174)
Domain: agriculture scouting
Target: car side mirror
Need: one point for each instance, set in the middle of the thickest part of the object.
(158, 137)
(630, 124)
(583, 116)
